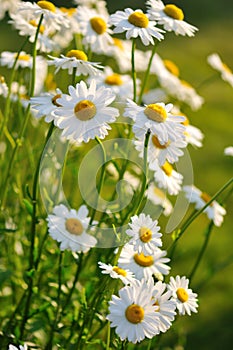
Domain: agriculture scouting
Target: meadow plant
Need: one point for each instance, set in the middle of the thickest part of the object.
(95, 140)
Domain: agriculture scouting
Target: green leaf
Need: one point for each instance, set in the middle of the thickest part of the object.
(28, 206)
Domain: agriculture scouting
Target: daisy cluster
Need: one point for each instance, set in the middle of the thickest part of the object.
(85, 79)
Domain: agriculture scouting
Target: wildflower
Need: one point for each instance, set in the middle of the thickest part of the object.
(8, 6)
(69, 227)
(7, 59)
(84, 113)
(214, 211)
(75, 59)
(136, 23)
(228, 151)
(215, 62)
(143, 266)
(133, 313)
(158, 119)
(171, 17)
(125, 276)
(144, 233)
(186, 300)
(99, 6)
(158, 197)
(3, 87)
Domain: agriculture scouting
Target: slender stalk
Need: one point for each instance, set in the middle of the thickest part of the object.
(202, 251)
(108, 336)
(133, 72)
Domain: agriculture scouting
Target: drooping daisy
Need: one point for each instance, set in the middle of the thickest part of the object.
(45, 104)
(125, 276)
(133, 313)
(75, 59)
(186, 300)
(226, 73)
(3, 87)
(165, 306)
(7, 59)
(144, 233)
(136, 23)
(143, 266)
(158, 197)
(158, 119)
(171, 17)
(95, 29)
(228, 151)
(21, 347)
(166, 177)
(84, 113)
(214, 211)
(69, 227)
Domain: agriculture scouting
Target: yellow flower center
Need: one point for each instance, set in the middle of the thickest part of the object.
(80, 55)
(185, 83)
(138, 19)
(74, 226)
(157, 304)
(171, 67)
(35, 24)
(68, 11)
(119, 271)
(226, 68)
(145, 234)
(117, 42)
(174, 12)
(47, 5)
(205, 197)
(54, 100)
(182, 295)
(50, 84)
(85, 110)
(2, 79)
(167, 168)
(23, 57)
(114, 79)
(157, 144)
(156, 112)
(99, 25)
(134, 313)
(159, 193)
(186, 121)
(143, 260)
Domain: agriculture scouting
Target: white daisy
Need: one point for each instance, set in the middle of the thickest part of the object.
(144, 233)
(166, 177)
(125, 276)
(75, 59)
(84, 113)
(136, 23)
(3, 87)
(143, 266)
(158, 197)
(8, 6)
(21, 347)
(154, 96)
(121, 84)
(100, 6)
(158, 119)
(165, 306)
(214, 211)
(133, 313)
(226, 73)
(95, 29)
(7, 59)
(69, 227)
(45, 104)
(171, 17)
(228, 151)
(186, 300)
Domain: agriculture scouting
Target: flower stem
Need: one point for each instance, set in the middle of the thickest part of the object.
(108, 336)
(134, 77)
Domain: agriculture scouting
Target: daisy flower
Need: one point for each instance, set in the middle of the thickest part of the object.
(95, 29)
(116, 272)
(99, 6)
(8, 6)
(215, 62)
(69, 227)
(136, 23)
(214, 211)
(3, 87)
(186, 300)
(133, 313)
(158, 197)
(75, 59)
(143, 266)
(7, 59)
(154, 95)
(45, 104)
(84, 113)
(144, 233)
(166, 177)
(158, 119)
(171, 17)
(165, 306)
(228, 151)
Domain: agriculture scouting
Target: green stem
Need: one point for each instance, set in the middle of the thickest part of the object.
(202, 251)
(108, 336)
(134, 77)
(147, 73)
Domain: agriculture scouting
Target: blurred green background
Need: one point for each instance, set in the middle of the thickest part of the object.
(211, 328)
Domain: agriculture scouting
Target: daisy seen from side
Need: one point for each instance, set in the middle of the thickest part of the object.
(69, 228)
(215, 62)
(125, 276)
(3, 87)
(186, 300)
(85, 113)
(158, 197)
